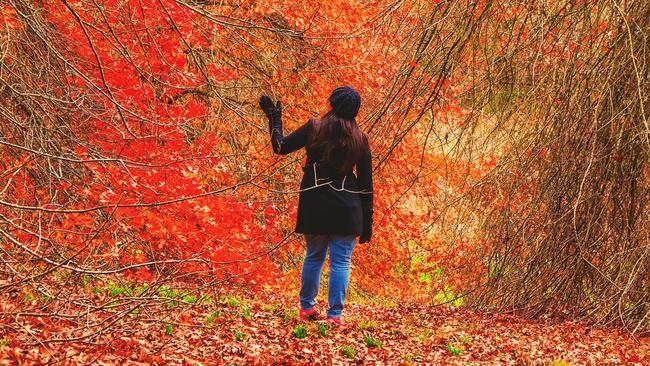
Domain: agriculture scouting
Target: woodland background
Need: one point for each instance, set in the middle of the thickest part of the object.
(138, 189)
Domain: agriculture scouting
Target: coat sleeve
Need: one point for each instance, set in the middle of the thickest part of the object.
(364, 176)
(286, 144)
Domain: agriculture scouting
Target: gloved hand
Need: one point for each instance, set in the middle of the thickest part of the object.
(268, 107)
(273, 112)
(367, 232)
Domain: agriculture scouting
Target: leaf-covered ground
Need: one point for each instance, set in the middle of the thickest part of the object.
(240, 329)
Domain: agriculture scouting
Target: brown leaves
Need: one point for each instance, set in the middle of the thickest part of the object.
(373, 334)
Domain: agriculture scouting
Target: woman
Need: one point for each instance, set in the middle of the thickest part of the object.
(334, 206)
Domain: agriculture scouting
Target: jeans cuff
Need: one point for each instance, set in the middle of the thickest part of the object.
(306, 306)
(336, 315)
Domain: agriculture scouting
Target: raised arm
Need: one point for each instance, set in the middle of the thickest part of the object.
(283, 144)
(290, 143)
(364, 176)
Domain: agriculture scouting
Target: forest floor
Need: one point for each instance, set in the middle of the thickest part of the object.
(265, 329)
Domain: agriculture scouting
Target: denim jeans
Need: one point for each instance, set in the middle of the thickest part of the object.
(340, 247)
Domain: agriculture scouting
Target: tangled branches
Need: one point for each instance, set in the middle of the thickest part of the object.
(565, 210)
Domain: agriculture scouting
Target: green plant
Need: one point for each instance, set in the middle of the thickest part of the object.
(240, 336)
(210, 319)
(116, 289)
(190, 298)
(348, 351)
(139, 290)
(366, 325)
(168, 329)
(246, 314)
(44, 298)
(230, 301)
(300, 331)
(29, 296)
(424, 335)
(85, 280)
(322, 329)
(447, 296)
(205, 299)
(167, 293)
(408, 358)
(453, 349)
(269, 308)
(371, 342)
(288, 314)
(424, 277)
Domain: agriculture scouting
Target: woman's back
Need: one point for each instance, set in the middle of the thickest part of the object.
(336, 159)
(333, 200)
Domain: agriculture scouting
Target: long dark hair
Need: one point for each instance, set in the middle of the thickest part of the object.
(333, 133)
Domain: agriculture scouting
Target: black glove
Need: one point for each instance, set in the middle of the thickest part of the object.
(273, 112)
(269, 108)
(367, 231)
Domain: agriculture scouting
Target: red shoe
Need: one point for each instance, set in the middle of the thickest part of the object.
(335, 321)
(310, 314)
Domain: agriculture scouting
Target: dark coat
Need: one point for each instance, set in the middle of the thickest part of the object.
(329, 203)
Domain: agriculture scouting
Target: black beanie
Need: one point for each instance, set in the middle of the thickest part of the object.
(345, 102)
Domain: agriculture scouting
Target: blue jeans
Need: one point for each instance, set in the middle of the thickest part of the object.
(340, 247)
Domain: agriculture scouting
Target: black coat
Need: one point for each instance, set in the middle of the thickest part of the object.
(329, 203)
